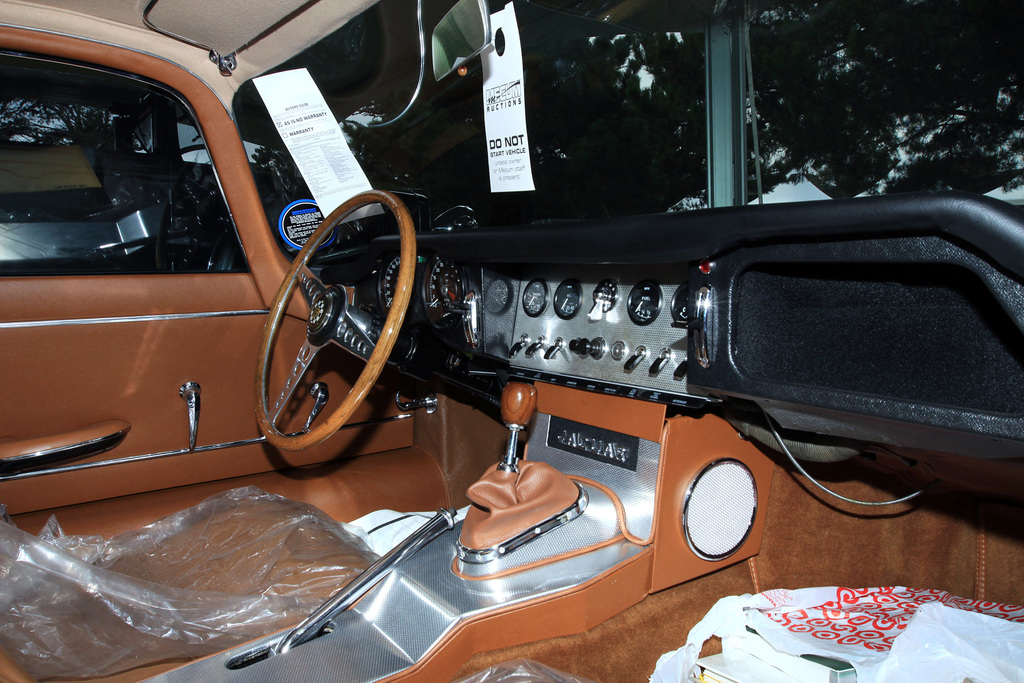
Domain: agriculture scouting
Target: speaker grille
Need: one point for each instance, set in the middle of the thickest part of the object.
(719, 509)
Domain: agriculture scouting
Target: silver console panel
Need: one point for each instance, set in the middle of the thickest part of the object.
(411, 611)
(403, 617)
(635, 490)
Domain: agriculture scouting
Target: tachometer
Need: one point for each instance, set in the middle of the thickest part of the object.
(535, 297)
(644, 302)
(387, 281)
(442, 292)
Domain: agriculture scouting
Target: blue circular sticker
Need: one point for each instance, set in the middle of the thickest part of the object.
(298, 221)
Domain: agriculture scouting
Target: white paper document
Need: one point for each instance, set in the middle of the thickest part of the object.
(313, 137)
(508, 145)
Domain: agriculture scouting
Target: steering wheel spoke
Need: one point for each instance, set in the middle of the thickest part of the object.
(309, 284)
(305, 356)
(355, 332)
(332, 319)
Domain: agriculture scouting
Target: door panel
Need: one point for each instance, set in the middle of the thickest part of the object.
(70, 376)
(116, 341)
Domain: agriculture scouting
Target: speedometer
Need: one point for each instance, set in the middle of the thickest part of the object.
(387, 282)
(442, 292)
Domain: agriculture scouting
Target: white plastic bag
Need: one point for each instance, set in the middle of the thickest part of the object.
(946, 645)
(865, 627)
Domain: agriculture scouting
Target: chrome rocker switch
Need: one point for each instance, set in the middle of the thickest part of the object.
(536, 346)
(554, 349)
(519, 346)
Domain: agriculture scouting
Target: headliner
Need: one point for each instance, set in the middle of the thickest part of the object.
(263, 32)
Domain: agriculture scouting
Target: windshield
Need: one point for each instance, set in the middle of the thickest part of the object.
(856, 97)
(614, 113)
(849, 97)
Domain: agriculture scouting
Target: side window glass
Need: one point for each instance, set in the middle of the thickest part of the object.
(101, 173)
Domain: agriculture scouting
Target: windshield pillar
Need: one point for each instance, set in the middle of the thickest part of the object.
(725, 78)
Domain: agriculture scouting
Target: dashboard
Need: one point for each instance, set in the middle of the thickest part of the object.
(894, 320)
(620, 330)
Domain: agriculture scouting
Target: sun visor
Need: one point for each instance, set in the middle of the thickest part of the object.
(224, 27)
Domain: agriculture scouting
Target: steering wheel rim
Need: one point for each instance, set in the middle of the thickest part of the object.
(385, 342)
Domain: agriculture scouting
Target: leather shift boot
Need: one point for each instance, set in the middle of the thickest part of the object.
(505, 504)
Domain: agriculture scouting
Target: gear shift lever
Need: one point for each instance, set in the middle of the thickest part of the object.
(515, 502)
(518, 404)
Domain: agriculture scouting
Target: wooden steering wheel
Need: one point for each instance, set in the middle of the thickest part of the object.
(333, 320)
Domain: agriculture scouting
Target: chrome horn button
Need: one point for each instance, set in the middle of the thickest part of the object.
(324, 311)
(319, 312)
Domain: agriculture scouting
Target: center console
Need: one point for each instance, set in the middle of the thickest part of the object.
(650, 483)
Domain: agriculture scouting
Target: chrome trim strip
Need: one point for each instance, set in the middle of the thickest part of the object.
(40, 459)
(180, 451)
(18, 324)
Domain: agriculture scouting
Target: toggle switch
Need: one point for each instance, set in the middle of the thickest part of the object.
(638, 356)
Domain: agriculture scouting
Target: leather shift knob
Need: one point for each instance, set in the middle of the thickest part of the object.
(518, 403)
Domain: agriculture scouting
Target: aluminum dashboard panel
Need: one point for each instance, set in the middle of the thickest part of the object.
(635, 489)
(641, 347)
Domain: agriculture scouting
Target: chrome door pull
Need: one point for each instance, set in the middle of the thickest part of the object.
(429, 402)
(189, 391)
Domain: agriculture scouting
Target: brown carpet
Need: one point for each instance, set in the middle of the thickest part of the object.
(811, 540)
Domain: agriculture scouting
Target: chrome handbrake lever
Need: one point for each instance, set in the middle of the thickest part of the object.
(349, 594)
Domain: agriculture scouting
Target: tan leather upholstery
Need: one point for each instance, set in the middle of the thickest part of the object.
(506, 504)
(405, 479)
(11, 671)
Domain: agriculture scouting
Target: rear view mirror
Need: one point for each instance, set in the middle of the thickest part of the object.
(461, 35)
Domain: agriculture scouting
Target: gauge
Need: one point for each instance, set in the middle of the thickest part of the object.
(568, 298)
(644, 302)
(605, 295)
(442, 292)
(681, 304)
(535, 297)
(387, 282)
